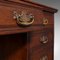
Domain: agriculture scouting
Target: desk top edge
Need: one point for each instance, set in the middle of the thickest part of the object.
(33, 4)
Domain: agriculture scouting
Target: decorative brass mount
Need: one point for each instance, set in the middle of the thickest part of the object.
(23, 18)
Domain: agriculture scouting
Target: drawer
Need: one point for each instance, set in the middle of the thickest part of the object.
(42, 54)
(15, 16)
(10, 24)
(41, 38)
(12, 12)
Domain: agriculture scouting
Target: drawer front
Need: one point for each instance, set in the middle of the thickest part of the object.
(42, 54)
(41, 38)
(10, 13)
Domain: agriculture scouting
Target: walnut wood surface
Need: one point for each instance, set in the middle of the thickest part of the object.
(23, 42)
(9, 26)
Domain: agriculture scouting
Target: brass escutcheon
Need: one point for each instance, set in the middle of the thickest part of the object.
(45, 21)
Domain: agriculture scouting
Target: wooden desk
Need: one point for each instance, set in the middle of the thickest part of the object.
(26, 31)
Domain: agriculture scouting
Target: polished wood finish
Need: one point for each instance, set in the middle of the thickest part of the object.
(36, 37)
(33, 42)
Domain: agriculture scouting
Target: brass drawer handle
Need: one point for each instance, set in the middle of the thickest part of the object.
(44, 39)
(45, 21)
(23, 18)
(44, 58)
